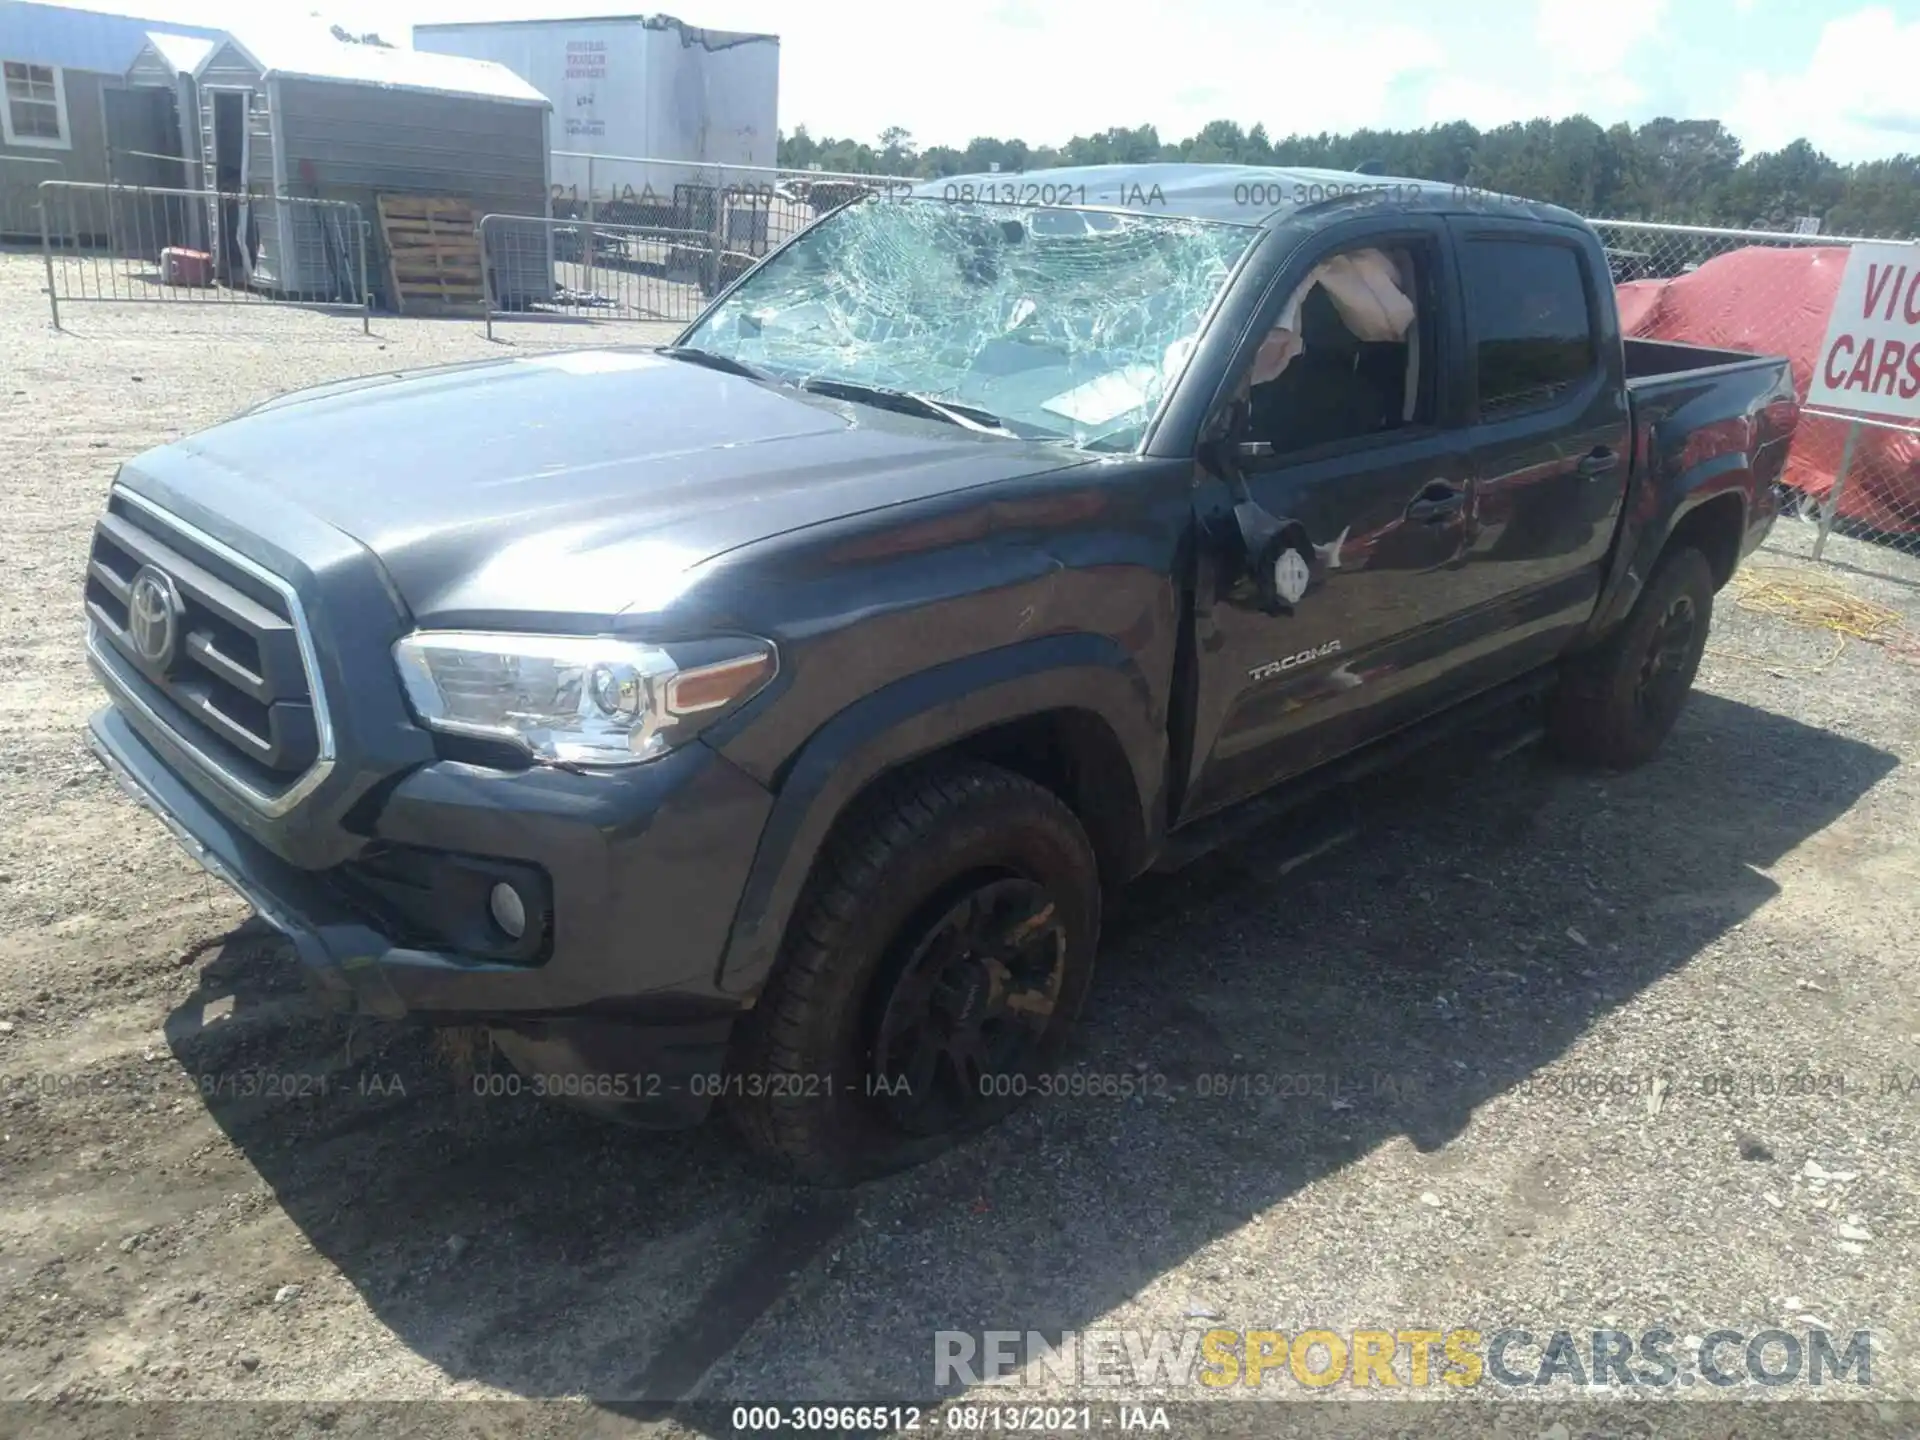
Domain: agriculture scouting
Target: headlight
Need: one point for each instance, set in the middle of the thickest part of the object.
(582, 700)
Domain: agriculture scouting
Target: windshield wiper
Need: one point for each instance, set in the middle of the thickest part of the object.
(967, 417)
(696, 356)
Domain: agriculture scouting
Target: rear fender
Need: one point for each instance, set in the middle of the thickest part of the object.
(1715, 438)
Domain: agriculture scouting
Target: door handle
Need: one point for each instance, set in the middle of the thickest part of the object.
(1597, 462)
(1439, 501)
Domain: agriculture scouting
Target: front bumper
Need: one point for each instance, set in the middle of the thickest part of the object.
(646, 866)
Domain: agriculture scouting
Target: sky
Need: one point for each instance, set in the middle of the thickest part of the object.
(1844, 74)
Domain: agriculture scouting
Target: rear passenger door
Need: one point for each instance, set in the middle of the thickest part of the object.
(1549, 429)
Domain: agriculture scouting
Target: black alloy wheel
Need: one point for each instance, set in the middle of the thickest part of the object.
(969, 1008)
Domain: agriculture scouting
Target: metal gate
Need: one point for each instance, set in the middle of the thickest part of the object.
(590, 269)
(139, 244)
(743, 210)
(653, 240)
(20, 180)
(1850, 475)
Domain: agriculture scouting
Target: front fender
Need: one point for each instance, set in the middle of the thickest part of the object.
(916, 716)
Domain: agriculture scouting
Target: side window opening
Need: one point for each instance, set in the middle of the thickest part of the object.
(1345, 358)
(1532, 322)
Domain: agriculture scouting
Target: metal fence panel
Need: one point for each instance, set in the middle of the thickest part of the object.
(534, 266)
(105, 242)
(20, 179)
(1857, 477)
(696, 228)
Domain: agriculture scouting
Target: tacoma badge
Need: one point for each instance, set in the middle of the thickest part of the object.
(1294, 662)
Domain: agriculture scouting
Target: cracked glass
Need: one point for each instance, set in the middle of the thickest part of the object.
(1055, 324)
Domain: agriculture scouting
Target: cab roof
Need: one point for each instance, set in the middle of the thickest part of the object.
(1236, 194)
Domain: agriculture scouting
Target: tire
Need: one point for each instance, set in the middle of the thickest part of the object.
(820, 1060)
(1615, 703)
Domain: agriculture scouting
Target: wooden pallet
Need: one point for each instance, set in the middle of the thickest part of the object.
(433, 254)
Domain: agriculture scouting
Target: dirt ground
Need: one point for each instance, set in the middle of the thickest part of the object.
(1505, 944)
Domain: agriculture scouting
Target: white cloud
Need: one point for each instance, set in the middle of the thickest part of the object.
(1044, 70)
(1070, 67)
(1482, 104)
(1856, 98)
(1580, 38)
(1575, 61)
(1486, 104)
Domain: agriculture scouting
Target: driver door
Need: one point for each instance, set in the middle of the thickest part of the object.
(1382, 486)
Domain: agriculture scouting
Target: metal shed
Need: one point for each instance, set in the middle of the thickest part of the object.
(312, 117)
(70, 115)
(166, 62)
(162, 71)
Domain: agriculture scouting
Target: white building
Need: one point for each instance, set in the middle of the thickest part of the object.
(646, 86)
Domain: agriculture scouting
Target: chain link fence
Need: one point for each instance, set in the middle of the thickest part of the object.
(1772, 292)
(136, 244)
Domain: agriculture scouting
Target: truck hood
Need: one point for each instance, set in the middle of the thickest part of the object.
(584, 483)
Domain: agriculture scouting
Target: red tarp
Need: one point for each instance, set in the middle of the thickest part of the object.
(1776, 302)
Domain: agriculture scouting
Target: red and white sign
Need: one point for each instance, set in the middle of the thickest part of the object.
(1870, 361)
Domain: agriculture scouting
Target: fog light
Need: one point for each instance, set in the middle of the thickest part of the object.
(509, 910)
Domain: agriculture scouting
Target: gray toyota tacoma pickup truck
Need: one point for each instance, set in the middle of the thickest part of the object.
(762, 719)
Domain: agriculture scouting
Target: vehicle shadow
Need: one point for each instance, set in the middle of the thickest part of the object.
(1484, 918)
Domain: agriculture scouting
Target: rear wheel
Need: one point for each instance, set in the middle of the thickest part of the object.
(932, 969)
(1616, 703)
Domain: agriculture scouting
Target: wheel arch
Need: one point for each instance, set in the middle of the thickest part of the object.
(1071, 712)
(1711, 516)
(1714, 527)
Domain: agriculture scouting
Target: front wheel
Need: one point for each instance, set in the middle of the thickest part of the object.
(932, 969)
(1616, 703)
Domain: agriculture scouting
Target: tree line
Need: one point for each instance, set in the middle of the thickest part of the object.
(1679, 171)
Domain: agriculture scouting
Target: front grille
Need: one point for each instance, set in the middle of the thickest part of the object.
(209, 645)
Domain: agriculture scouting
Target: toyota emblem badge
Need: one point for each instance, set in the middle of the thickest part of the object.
(153, 611)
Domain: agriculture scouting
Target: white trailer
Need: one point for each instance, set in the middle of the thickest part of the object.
(641, 85)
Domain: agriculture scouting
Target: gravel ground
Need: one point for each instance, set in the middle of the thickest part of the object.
(1463, 984)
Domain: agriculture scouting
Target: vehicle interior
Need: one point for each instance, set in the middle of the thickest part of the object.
(1350, 364)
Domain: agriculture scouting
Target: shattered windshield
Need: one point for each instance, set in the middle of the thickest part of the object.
(1053, 323)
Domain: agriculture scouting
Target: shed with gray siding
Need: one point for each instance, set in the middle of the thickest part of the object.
(96, 127)
(328, 120)
(164, 70)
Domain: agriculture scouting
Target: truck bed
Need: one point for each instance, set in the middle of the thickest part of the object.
(1695, 391)
(1649, 360)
